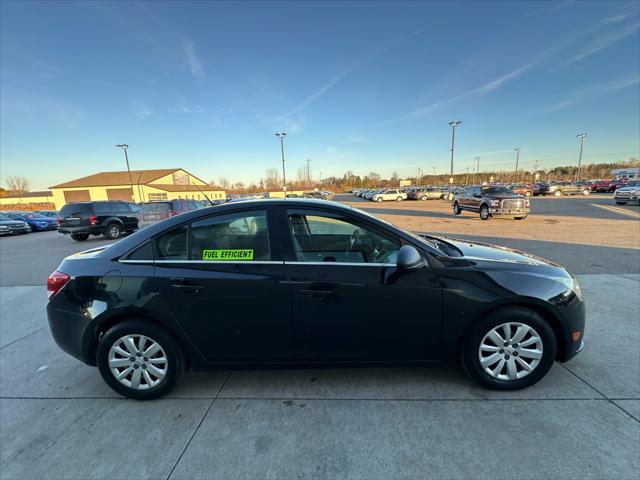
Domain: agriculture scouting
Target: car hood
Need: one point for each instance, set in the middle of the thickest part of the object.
(627, 189)
(493, 253)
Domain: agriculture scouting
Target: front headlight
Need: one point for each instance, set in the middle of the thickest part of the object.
(495, 203)
(572, 286)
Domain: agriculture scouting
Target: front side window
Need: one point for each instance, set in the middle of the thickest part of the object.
(326, 237)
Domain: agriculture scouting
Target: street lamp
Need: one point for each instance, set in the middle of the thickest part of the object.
(581, 136)
(281, 136)
(124, 147)
(477, 165)
(517, 150)
(453, 125)
(308, 171)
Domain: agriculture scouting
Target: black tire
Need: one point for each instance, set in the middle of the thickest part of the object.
(586, 192)
(484, 212)
(176, 362)
(558, 193)
(379, 200)
(423, 198)
(527, 194)
(79, 237)
(469, 348)
(520, 218)
(621, 203)
(456, 209)
(399, 199)
(113, 231)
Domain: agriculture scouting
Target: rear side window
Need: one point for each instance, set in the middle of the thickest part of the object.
(123, 208)
(103, 208)
(240, 236)
(144, 252)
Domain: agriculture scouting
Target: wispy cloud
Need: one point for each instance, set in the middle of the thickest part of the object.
(481, 90)
(190, 109)
(591, 92)
(604, 41)
(192, 58)
(142, 112)
(553, 7)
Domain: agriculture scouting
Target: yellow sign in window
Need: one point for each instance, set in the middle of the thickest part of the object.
(227, 255)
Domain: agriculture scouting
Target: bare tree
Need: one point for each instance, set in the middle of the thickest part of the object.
(17, 184)
(224, 183)
(272, 180)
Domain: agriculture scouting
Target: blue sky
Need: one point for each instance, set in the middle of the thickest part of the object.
(357, 86)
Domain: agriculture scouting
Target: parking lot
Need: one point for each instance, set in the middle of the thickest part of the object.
(59, 420)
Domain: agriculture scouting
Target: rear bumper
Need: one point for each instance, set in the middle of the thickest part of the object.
(94, 230)
(71, 331)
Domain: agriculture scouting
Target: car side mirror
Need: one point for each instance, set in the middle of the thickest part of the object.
(409, 259)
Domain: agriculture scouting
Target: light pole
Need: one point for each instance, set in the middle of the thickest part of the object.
(477, 165)
(453, 125)
(581, 136)
(281, 136)
(419, 175)
(517, 150)
(308, 171)
(124, 147)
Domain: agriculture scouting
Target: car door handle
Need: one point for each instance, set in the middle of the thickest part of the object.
(315, 294)
(186, 287)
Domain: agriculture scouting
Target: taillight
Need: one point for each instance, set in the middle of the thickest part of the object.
(92, 220)
(55, 282)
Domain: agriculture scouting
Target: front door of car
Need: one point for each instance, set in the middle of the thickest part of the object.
(473, 198)
(348, 300)
(223, 279)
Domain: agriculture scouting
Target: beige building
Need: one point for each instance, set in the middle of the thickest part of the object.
(148, 185)
(27, 198)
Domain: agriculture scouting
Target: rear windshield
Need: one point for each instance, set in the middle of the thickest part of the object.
(156, 207)
(75, 209)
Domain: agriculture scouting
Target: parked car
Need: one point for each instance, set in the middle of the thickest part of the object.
(628, 194)
(9, 226)
(111, 218)
(388, 194)
(37, 222)
(153, 212)
(48, 213)
(523, 189)
(604, 186)
(424, 193)
(567, 188)
(284, 281)
(491, 200)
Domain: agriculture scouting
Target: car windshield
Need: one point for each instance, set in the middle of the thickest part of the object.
(36, 215)
(496, 190)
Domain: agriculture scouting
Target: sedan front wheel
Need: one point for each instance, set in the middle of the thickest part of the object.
(509, 349)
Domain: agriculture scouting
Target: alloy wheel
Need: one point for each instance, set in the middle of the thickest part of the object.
(138, 362)
(510, 351)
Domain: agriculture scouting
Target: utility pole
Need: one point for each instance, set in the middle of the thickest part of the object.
(308, 171)
(124, 148)
(419, 175)
(281, 136)
(466, 180)
(478, 166)
(517, 150)
(535, 169)
(581, 136)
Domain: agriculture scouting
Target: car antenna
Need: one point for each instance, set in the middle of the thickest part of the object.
(205, 195)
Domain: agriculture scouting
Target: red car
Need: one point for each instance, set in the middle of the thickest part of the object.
(605, 186)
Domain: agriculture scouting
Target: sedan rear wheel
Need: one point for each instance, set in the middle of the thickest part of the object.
(399, 199)
(558, 193)
(586, 192)
(511, 348)
(140, 360)
(379, 200)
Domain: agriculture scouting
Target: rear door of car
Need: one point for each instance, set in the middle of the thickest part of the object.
(223, 279)
(347, 299)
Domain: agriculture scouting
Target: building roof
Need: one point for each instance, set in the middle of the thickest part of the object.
(45, 193)
(184, 188)
(104, 179)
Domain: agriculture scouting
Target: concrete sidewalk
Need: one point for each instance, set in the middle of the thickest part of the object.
(59, 420)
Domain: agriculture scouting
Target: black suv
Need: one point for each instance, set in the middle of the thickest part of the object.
(110, 218)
